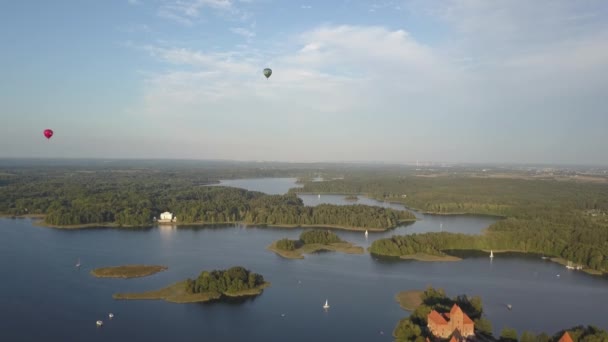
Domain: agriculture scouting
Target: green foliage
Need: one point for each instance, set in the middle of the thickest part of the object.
(483, 326)
(319, 236)
(232, 280)
(554, 218)
(407, 331)
(323, 237)
(527, 336)
(134, 197)
(508, 335)
(286, 244)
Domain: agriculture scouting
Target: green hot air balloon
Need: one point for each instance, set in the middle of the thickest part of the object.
(267, 72)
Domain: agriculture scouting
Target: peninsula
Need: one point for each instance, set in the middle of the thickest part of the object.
(409, 300)
(313, 241)
(127, 271)
(215, 285)
(537, 213)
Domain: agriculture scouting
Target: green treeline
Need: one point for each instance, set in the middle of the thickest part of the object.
(322, 237)
(557, 218)
(289, 210)
(232, 280)
(413, 328)
(135, 198)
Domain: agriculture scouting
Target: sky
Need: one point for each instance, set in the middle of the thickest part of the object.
(478, 81)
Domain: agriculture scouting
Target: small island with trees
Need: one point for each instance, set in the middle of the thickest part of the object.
(127, 271)
(422, 303)
(313, 241)
(235, 282)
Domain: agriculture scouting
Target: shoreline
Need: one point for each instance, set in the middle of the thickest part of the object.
(298, 253)
(429, 257)
(409, 300)
(39, 221)
(416, 210)
(127, 271)
(176, 293)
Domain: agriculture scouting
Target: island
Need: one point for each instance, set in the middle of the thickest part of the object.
(432, 318)
(351, 198)
(127, 271)
(313, 241)
(235, 282)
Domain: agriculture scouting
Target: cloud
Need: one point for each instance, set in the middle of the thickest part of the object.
(492, 85)
(241, 31)
(305, 7)
(134, 2)
(188, 11)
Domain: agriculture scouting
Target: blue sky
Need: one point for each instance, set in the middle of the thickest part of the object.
(396, 81)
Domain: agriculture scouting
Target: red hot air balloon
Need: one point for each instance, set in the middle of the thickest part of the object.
(48, 133)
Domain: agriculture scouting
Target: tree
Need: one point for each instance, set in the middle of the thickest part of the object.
(406, 330)
(508, 335)
(527, 336)
(484, 326)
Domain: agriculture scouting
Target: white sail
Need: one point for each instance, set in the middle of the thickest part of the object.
(491, 254)
(366, 233)
(326, 306)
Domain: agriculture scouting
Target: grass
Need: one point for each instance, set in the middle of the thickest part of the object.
(409, 300)
(344, 247)
(127, 271)
(176, 293)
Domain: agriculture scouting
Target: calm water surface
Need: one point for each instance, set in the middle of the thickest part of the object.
(43, 297)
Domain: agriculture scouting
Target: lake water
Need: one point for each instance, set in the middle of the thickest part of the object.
(43, 297)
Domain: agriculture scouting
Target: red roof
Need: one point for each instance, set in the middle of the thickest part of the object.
(465, 318)
(436, 317)
(453, 339)
(566, 338)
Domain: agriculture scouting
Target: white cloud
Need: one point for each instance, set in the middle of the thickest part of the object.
(187, 11)
(502, 73)
(241, 31)
(305, 7)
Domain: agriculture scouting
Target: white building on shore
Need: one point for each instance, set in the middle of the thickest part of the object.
(167, 217)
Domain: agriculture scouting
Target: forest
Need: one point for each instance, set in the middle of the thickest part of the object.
(413, 328)
(564, 219)
(323, 237)
(135, 197)
(232, 280)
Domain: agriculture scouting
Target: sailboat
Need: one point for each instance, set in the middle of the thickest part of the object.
(319, 196)
(366, 233)
(491, 254)
(78, 263)
(326, 306)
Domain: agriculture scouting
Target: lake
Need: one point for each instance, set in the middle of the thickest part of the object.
(43, 297)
